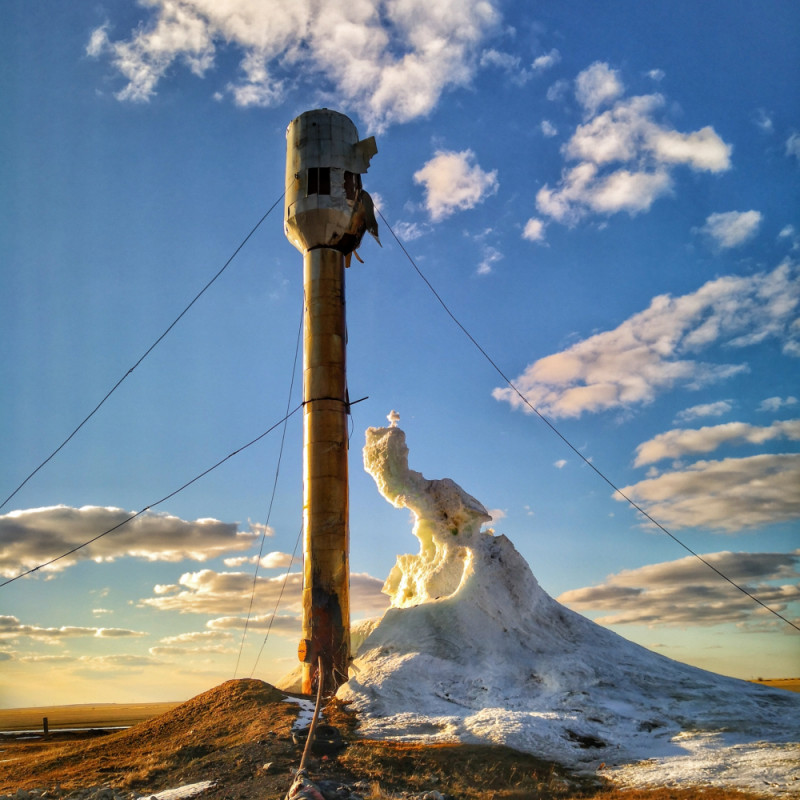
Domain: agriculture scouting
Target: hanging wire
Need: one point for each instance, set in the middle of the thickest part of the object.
(146, 353)
(154, 504)
(569, 444)
(272, 497)
(278, 601)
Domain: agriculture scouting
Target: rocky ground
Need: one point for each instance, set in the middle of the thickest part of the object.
(237, 740)
(239, 736)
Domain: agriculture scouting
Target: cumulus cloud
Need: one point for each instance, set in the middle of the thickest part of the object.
(596, 86)
(625, 155)
(12, 628)
(534, 230)
(390, 60)
(454, 182)
(729, 495)
(548, 129)
(705, 410)
(654, 350)
(681, 441)
(732, 228)
(33, 536)
(687, 592)
(546, 61)
(210, 592)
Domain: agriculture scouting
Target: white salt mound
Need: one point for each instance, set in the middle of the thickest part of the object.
(474, 650)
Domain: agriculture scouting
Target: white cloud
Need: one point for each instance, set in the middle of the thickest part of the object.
(732, 228)
(454, 182)
(491, 255)
(656, 74)
(597, 86)
(793, 145)
(391, 60)
(495, 58)
(625, 156)
(548, 129)
(194, 643)
(558, 90)
(546, 61)
(534, 230)
(681, 441)
(507, 62)
(705, 410)
(776, 403)
(654, 350)
(560, 464)
(729, 495)
(687, 592)
(763, 121)
(12, 628)
(33, 536)
(408, 231)
(210, 592)
(273, 560)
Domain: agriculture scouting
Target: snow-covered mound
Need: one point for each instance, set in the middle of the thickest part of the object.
(473, 649)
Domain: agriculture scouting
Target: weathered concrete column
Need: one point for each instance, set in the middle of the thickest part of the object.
(326, 546)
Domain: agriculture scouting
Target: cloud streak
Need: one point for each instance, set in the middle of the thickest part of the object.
(728, 495)
(12, 628)
(654, 350)
(687, 592)
(681, 441)
(390, 60)
(33, 536)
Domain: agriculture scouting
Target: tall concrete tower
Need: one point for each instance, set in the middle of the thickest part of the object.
(327, 214)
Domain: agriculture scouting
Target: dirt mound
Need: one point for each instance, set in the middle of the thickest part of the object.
(225, 734)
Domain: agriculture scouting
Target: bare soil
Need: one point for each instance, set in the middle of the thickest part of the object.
(239, 735)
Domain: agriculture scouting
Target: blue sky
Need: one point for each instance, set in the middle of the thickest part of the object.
(606, 197)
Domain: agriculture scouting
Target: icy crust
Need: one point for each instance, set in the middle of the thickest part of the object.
(473, 649)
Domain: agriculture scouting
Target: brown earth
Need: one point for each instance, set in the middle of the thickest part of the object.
(239, 736)
(790, 684)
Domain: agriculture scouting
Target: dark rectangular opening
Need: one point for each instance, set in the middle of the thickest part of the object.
(319, 181)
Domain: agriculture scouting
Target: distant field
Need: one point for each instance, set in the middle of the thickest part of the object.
(790, 684)
(101, 715)
(111, 715)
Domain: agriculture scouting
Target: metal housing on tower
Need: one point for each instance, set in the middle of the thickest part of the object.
(326, 205)
(326, 215)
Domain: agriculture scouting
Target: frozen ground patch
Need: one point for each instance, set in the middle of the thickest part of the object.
(766, 767)
(182, 792)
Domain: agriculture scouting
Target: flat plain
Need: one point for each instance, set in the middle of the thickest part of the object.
(113, 715)
(100, 715)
